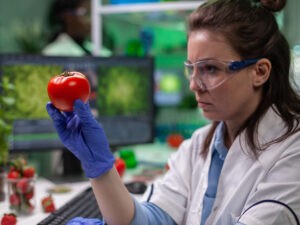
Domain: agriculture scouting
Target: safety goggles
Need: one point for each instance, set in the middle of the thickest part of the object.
(210, 73)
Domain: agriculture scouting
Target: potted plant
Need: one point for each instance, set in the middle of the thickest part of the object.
(6, 120)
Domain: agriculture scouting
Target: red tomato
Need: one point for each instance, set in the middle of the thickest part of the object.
(23, 186)
(48, 204)
(65, 88)
(174, 140)
(14, 200)
(28, 171)
(9, 219)
(120, 166)
(13, 175)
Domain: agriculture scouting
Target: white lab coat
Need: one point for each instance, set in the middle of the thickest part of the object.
(244, 181)
(64, 45)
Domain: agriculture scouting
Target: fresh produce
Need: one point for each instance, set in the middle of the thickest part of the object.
(174, 140)
(48, 204)
(128, 156)
(66, 87)
(9, 219)
(120, 166)
(28, 171)
(21, 179)
(13, 175)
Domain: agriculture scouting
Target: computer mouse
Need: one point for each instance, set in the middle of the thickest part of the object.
(136, 187)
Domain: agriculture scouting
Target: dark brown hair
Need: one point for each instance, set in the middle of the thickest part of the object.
(251, 29)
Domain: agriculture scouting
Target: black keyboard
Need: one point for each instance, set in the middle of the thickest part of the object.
(83, 205)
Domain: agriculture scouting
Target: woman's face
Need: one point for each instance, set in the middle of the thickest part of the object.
(235, 99)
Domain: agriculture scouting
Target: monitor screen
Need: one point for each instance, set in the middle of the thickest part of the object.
(121, 97)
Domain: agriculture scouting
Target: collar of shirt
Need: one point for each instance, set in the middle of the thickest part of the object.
(219, 145)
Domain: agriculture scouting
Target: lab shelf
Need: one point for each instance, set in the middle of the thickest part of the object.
(98, 10)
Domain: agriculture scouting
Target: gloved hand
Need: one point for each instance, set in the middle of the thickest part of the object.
(85, 221)
(84, 137)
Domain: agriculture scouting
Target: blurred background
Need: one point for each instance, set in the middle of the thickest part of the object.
(24, 28)
(19, 18)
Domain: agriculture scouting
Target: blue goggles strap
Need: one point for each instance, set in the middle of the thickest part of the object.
(238, 65)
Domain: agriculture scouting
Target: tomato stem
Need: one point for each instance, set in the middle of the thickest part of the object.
(67, 74)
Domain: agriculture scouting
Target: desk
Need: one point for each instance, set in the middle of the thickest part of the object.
(148, 156)
(42, 185)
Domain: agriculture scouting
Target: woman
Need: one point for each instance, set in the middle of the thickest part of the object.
(240, 169)
(70, 22)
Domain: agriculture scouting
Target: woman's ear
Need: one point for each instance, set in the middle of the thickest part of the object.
(262, 72)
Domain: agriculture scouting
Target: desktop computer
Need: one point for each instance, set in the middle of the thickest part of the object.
(121, 100)
(122, 90)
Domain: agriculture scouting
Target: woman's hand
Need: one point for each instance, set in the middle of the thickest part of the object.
(84, 137)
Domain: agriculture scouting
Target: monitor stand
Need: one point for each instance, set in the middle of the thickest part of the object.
(72, 170)
(71, 165)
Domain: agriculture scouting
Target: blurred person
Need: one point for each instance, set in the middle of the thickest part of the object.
(70, 21)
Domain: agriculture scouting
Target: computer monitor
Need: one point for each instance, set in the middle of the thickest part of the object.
(121, 98)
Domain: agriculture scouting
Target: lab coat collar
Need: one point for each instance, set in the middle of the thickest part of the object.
(219, 145)
(239, 159)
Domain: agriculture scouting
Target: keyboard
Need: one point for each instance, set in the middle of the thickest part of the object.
(83, 205)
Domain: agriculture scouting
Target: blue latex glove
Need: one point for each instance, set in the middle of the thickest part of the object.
(84, 137)
(85, 221)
